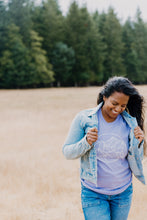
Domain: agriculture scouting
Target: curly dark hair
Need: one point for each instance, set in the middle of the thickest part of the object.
(135, 104)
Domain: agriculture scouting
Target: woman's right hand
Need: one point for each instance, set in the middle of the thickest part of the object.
(92, 135)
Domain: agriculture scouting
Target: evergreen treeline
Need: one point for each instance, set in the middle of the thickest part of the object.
(39, 47)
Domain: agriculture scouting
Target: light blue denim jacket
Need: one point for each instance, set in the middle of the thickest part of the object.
(76, 145)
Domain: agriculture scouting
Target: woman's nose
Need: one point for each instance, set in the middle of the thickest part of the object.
(118, 109)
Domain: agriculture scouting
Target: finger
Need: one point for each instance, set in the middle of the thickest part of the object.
(91, 138)
(90, 142)
(94, 129)
(92, 133)
(140, 138)
(95, 137)
(136, 127)
(138, 133)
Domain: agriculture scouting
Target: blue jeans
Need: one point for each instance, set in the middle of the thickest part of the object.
(98, 206)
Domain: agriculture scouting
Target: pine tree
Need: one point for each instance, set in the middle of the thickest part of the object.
(111, 31)
(14, 61)
(63, 60)
(3, 26)
(82, 35)
(99, 49)
(22, 67)
(20, 15)
(48, 23)
(140, 46)
(40, 69)
(130, 54)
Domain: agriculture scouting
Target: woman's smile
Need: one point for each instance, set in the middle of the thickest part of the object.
(115, 112)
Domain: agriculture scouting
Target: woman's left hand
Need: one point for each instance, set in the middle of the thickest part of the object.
(138, 134)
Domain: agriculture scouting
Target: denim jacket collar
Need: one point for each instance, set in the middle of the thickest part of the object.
(94, 110)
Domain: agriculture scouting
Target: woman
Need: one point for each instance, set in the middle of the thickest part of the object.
(109, 141)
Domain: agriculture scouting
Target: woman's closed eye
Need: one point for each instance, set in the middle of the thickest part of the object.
(122, 106)
(115, 104)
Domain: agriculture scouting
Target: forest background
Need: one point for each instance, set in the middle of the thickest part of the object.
(41, 47)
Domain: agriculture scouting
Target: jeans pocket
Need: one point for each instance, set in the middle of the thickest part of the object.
(89, 198)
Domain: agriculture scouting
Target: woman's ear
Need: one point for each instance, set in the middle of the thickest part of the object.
(127, 110)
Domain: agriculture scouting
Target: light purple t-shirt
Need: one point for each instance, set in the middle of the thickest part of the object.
(113, 172)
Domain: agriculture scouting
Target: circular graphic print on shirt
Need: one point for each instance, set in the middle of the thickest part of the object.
(109, 146)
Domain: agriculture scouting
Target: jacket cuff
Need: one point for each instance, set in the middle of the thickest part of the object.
(85, 142)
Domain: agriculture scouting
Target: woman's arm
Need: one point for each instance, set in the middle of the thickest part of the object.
(76, 144)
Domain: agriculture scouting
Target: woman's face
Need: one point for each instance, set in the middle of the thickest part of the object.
(114, 105)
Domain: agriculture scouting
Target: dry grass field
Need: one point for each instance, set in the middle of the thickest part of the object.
(36, 181)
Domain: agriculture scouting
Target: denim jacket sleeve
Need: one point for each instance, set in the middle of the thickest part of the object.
(76, 144)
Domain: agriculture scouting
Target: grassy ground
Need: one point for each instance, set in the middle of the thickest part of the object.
(37, 182)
